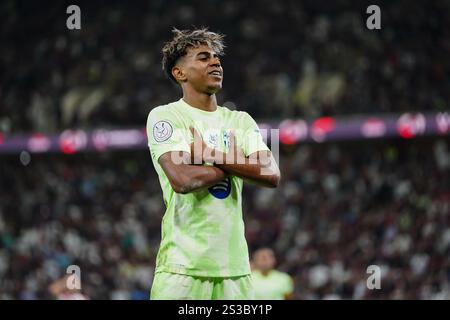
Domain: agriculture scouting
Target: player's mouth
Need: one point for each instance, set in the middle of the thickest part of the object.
(216, 73)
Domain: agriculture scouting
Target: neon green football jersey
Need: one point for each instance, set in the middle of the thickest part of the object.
(273, 286)
(202, 231)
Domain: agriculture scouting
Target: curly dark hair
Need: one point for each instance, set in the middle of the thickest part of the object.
(184, 39)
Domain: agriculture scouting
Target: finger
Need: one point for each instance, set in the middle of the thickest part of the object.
(196, 146)
(195, 133)
(232, 139)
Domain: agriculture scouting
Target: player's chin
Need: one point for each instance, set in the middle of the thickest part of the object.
(214, 87)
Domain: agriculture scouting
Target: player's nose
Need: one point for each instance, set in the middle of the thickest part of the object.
(215, 62)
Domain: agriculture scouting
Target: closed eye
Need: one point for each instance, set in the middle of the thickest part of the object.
(205, 56)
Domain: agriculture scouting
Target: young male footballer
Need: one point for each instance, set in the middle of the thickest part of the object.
(202, 153)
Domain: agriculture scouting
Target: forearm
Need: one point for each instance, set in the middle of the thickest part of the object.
(255, 173)
(259, 170)
(184, 177)
(193, 178)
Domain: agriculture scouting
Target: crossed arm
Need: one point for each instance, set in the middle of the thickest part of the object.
(259, 168)
(185, 177)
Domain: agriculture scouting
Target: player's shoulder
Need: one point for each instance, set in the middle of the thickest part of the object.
(163, 109)
(281, 275)
(239, 115)
(166, 112)
(234, 112)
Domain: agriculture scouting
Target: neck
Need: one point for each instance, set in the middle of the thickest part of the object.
(202, 101)
(265, 272)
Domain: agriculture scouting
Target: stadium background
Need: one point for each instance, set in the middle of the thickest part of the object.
(344, 202)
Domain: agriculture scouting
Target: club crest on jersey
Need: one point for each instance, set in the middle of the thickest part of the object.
(212, 140)
(162, 130)
(222, 189)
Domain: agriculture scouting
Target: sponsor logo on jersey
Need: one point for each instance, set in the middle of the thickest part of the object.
(222, 189)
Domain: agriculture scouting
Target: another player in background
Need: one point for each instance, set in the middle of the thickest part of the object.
(203, 252)
(269, 283)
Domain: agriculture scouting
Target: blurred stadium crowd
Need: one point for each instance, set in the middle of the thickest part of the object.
(293, 58)
(340, 207)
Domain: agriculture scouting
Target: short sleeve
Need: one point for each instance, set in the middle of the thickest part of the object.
(252, 139)
(165, 133)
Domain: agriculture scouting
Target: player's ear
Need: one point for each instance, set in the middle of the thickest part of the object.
(178, 74)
